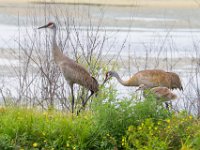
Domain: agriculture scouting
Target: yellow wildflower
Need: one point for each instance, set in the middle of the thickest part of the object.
(168, 120)
(67, 145)
(130, 128)
(159, 123)
(35, 144)
(190, 117)
(123, 141)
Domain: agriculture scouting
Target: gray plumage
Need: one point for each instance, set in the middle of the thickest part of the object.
(72, 71)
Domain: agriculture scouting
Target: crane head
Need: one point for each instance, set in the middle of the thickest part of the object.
(140, 87)
(50, 25)
(109, 75)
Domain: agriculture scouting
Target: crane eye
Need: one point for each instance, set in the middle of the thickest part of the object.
(50, 26)
(108, 74)
(50, 23)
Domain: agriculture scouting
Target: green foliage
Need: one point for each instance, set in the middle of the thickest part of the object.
(149, 108)
(113, 116)
(145, 136)
(110, 123)
(26, 128)
(176, 132)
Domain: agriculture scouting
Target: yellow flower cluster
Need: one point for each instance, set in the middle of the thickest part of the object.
(168, 120)
(35, 144)
(123, 141)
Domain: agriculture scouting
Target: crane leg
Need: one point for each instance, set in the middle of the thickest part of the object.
(85, 102)
(168, 105)
(72, 91)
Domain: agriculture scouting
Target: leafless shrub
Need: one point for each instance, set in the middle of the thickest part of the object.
(41, 83)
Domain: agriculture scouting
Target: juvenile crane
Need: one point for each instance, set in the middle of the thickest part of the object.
(72, 71)
(150, 78)
(161, 93)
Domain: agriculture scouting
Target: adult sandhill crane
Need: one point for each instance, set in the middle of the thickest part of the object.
(161, 93)
(150, 78)
(72, 71)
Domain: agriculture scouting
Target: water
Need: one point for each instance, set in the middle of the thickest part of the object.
(138, 40)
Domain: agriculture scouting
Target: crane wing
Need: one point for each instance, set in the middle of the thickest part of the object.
(152, 78)
(75, 73)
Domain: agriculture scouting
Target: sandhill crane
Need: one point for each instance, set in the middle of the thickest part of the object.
(72, 71)
(150, 78)
(162, 94)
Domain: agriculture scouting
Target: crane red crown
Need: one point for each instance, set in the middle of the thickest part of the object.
(50, 23)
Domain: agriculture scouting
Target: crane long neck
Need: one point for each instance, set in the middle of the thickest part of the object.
(54, 37)
(125, 83)
(57, 54)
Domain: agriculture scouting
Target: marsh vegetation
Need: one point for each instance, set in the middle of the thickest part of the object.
(35, 100)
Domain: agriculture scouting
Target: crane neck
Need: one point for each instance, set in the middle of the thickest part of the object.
(54, 36)
(56, 52)
(125, 83)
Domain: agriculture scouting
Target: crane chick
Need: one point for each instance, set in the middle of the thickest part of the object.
(161, 93)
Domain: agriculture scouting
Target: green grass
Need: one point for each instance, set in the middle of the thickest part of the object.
(109, 124)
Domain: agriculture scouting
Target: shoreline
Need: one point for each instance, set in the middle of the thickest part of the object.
(115, 13)
(119, 3)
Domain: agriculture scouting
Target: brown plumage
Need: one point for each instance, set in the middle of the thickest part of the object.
(175, 81)
(72, 71)
(161, 93)
(150, 78)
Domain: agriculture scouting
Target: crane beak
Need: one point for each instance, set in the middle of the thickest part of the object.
(137, 89)
(45, 26)
(106, 79)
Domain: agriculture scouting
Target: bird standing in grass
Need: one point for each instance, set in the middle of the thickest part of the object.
(161, 93)
(150, 78)
(72, 71)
